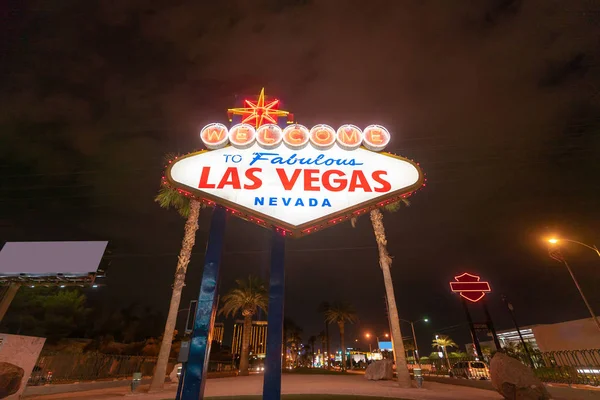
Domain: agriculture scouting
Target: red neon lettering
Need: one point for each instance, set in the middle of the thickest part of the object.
(385, 185)
(295, 135)
(288, 184)
(309, 178)
(214, 135)
(241, 135)
(358, 180)
(341, 183)
(265, 136)
(230, 177)
(375, 136)
(256, 181)
(204, 179)
(321, 139)
(347, 138)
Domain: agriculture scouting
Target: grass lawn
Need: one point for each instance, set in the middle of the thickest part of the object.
(302, 397)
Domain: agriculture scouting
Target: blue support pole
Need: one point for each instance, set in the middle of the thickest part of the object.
(197, 365)
(272, 380)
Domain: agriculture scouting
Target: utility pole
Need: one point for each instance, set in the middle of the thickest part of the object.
(473, 333)
(512, 315)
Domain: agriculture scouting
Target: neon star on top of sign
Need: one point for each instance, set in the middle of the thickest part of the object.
(259, 113)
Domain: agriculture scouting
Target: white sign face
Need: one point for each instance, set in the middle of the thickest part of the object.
(296, 189)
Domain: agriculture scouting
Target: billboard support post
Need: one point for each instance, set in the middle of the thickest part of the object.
(8, 297)
(194, 377)
(272, 379)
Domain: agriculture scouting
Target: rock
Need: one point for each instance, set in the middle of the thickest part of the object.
(173, 375)
(10, 379)
(515, 381)
(378, 370)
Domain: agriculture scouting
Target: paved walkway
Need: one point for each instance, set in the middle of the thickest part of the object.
(297, 384)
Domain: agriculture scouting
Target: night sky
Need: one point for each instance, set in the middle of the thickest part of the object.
(498, 100)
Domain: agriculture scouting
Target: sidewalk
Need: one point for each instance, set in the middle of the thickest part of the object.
(295, 384)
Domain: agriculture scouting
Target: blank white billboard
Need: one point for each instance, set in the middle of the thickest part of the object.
(51, 258)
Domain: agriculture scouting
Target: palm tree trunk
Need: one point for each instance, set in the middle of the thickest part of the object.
(343, 344)
(447, 359)
(245, 356)
(327, 340)
(185, 254)
(385, 261)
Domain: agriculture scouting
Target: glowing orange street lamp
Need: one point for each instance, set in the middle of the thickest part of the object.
(556, 254)
(368, 336)
(556, 241)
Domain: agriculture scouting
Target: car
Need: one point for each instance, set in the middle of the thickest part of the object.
(257, 366)
(470, 370)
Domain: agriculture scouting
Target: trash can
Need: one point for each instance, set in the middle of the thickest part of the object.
(136, 380)
(418, 377)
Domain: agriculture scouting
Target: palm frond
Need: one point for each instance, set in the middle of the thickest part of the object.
(392, 207)
(341, 312)
(395, 206)
(246, 298)
(168, 197)
(443, 341)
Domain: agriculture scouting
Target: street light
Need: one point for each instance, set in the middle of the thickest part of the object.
(368, 336)
(557, 255)
(555, 240)
(412, 326)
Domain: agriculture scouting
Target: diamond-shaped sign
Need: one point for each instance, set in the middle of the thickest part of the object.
(300, 190)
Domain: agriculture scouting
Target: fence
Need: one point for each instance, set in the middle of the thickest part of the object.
(568, 366)
(73, 367)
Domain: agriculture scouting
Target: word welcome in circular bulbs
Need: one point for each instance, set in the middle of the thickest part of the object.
(296, 136)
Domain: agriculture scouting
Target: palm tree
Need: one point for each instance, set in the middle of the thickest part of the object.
(443, 342)
(323, 307)
(385, 261)
(247, 298)
(323, 338)
(408, 346)
(188, 208)
(341, 313)
(311, 341)
(294, 340)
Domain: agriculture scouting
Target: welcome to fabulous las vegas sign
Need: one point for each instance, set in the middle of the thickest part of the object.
(297, 179)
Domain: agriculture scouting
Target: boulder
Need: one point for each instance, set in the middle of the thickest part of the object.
(173, 375)
(515, 381)
(10, 379)
(378, 370)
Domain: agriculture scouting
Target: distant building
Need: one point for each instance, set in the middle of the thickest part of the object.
(258, 338)
(579, 334)
(218, 331)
